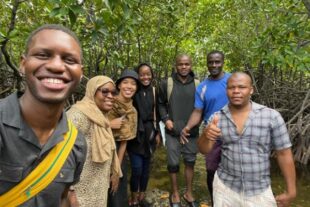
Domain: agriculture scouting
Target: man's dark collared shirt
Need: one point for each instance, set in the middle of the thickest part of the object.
(21, 152)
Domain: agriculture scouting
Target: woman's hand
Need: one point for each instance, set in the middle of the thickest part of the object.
(73, 199)
(169, 124)
(114, 183)
(158, 140)
(117, 123)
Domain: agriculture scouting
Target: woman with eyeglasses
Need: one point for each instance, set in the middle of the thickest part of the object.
(123, 119)
(102, 164)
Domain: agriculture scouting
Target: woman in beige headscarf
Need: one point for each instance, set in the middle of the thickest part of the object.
(89, 116)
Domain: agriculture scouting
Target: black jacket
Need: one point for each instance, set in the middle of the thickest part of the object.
(144, 143)
(180, 105)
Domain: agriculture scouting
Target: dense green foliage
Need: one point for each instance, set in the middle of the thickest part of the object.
(122, 33)
(270, 39)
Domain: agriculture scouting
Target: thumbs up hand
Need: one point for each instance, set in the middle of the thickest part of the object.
(215, 119)
(212, 132)
(117, 122)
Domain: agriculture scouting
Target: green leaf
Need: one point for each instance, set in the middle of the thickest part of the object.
(2, 35)
(63, 11)
(55, 12)
(121, 28)
(72, 17)
(106, 15)
(94, 36)
(14, 34)
(103, 31)
(54, 1)
(126, 12)
(131, 29)
(107, 4)
(66, 1)
(77, 9)
(115, 53)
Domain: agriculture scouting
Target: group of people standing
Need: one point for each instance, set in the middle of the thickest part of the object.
(118, 120)
(49, 157)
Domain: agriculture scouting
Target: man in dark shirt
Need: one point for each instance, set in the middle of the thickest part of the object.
(33, 123)
(175, 109)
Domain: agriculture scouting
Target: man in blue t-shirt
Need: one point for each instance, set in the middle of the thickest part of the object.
(210, 96)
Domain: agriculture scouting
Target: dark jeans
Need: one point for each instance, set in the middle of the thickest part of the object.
(120, 197)
(140, 170)
(210, 178)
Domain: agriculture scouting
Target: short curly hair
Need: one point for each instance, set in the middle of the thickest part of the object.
(216, 52)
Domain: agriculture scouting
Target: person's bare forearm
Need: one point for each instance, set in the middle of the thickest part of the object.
(287, 166)
(121, 151)
(64, 198)
(205, 145)
(209, 136)
(194, 119)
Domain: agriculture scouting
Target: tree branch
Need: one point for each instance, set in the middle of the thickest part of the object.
(6, 40)
(303, 43)
(307, 5)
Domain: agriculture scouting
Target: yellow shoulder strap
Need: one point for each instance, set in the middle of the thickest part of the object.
(43, 174)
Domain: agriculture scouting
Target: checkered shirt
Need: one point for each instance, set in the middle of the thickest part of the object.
(245, 160)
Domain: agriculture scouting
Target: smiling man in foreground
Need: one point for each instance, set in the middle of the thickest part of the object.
(41, 152)
(248, 132)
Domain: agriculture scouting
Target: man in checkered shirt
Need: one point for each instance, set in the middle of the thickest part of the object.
(248, 132)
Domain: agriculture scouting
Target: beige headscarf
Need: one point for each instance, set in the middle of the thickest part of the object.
(103, 145)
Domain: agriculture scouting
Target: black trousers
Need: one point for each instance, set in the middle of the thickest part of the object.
(210, 178)
(120, 197)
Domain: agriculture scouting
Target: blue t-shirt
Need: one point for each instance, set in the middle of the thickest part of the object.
(210, 95)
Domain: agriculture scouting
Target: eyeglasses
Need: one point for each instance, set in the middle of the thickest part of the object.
(106, 91)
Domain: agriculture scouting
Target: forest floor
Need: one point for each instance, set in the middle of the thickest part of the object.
(159, 184)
